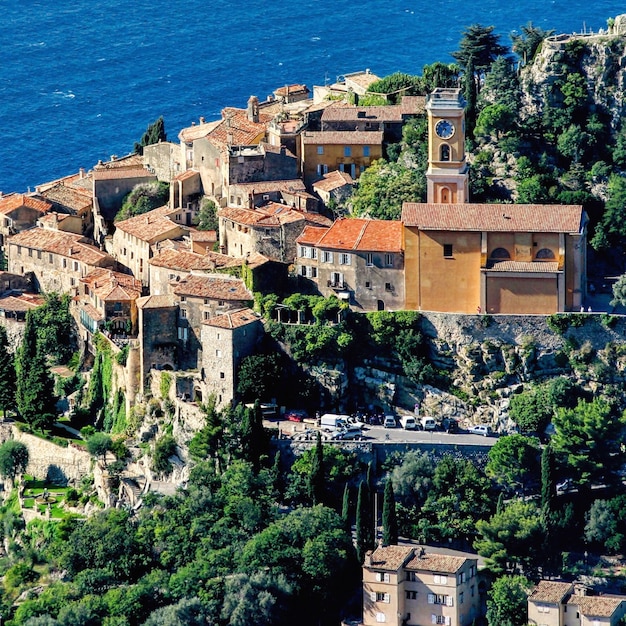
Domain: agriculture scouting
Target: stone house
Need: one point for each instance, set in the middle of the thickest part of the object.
(359, 260)
(73, 200)
(202, 241)
(14, 305)
(163, 159)
(158, 333)
(292, 93)
(270, 230)
(347, 151)
(134, 238)
(405, 586)
(200, 297)
(107, 300)
(62, 221)
(56, 260)
(226, 339)
(335, 186)
(186, 191)
(291, 192)
(352, 83)
(554, 603)
(19, 212)
(494, 258)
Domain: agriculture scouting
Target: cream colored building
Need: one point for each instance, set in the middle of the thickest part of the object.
(555, 603)
(410, 586)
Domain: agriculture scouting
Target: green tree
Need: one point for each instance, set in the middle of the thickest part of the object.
(316, 474)
(526, 44)
(390, 521)
(186, 612)
(397, 85)
(383, 187)
(588, 440)
(7, 374)
(501, 86)
(34, 394)
(606, 524)
(364, 530)
(54, 326)
(164, 448)
(619, 291)
(13, 459)
(480, 45)
(494, 119)
(345, 506)
(207, 216)
(412, 478)
(507, 601)
(510, 541)
(548, 485)
(438, 74)
(99, 444)
(155, 133)
(259, 376)
(611, 230)
(513, 462)
(143, 198)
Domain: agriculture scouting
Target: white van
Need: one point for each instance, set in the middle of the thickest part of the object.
(428, 423)
(408, 422)
(331, 422)
(389, 421)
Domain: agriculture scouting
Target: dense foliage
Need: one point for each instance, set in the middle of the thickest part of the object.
(143, 198)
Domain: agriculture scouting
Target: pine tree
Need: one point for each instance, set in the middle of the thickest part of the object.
(154, 134)
(390, 520)
(364, 531)
(316, 474)
(7, 374)
(34, 395)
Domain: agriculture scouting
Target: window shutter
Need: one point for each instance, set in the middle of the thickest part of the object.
(448, 620)
(433, 618)
(387, 598)
(379, 577)
(373, 596)
(449, 601)
(431, 598)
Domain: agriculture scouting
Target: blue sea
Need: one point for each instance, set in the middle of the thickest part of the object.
(80, 81)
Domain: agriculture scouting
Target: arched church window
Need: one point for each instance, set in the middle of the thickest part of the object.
(500, 253)
(445, 152)
(545, 253)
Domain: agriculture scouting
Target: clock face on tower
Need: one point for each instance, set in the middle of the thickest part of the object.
(444, 129)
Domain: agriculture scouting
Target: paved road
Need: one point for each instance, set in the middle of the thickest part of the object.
(399, 435)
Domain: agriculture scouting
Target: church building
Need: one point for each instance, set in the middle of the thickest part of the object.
(462, 257)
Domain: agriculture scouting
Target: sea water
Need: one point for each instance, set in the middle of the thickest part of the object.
(80, 80)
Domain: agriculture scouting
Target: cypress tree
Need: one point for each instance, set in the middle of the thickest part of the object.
(470, 98)
(548, 486)
(390, 520)
(7, 374)
(316, 474)
(364, 531)
(345, 506)
(34, 394)
(500, 503)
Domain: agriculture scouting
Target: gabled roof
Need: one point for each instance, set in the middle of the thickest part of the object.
(596, 606)
(343, 137)
(334, 180)
(156, 302)
(17, 302)
(271, 215)
(383, 113)
(311, 235)
(363, 235)
(62, 243)
(290, 90)
(550, 591)
(441, 563)
(265, 186)
(149, 226)
(233, 319)
(14, 201)
(389, 557)
(112, 286)
(75, 199)
(213, 287)
(185, 260)
(533, 218)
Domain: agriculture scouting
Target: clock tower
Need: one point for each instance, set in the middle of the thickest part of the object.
(447, 175)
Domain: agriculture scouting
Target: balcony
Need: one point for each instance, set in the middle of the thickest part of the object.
(337, 284)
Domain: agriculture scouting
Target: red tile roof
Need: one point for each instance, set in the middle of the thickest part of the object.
(64, 244)
(14, 201)
(311, 235)
(188, 175)
(213, 287)
(271, 215)
(597, 606)
(291, 90)
(333, 180)
(550, 591)
(390, 557)
(542, 218)
(185, 260)
(344, 137)
(363, 234)
(117, 174)
(443, 563)
(20, 302)
(266, 186)
(203, 236)
(151, 225)
(76, 199)
(112, 286)
(156, 302)
(518, 266)
(383, 113)
(233, 319)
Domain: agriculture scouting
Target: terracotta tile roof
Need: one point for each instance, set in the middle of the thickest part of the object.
(344, 137)
(151, 225)
(211, 261)
(311, 235)
(271, 215)
(266, 186)
(291, 90)
(543, 218)
(363, 79)
(213, 287)
(156, 302)
(333, 180)
(550, 591)
(189, 174)
(128, 161)
(203, 236)
(117, 174)
(390, 557)
(384, 113)
(443, 563)
(94, 314)
(53, 218)
(185, 260)
(197, 131)
(76, 199)
(20, 302)
(363, 234)
(517, 266)
(59, 242)
(14, 201)
(112, 286)
(233, 319)
(234, 123)
(596, 606)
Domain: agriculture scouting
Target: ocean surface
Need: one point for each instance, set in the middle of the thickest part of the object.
(80, 81)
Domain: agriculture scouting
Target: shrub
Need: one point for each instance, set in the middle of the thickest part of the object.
(163, 450)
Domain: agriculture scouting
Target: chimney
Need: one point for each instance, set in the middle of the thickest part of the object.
(253, 109)
(201, 120)
(368, 559)
(81, 172)
(69, 252)
(113, 157)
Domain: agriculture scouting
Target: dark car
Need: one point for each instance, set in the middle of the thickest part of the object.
(450, 425)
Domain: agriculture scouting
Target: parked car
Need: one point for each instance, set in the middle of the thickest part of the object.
(450, 425)
(296, 415)
(389, 421)
(481, 429)
(427, 423)
(565, 485)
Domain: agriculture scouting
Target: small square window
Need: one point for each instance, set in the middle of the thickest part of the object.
(222, 375)
(366, 151)
(447, 250)
(368, 284)
(347, 151)
(369, 259)
(320, 149)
